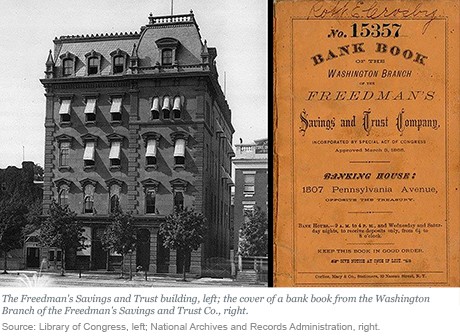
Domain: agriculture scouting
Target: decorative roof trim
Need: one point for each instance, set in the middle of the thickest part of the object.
(179, 135)
(115, 137)
(93, 53)
(89, 137)
(150, 135)
(106, 36)
(86, 181)
(61, 181)
(64, 138)
(179, 184)
(67, 55)
(113, 181)
(118, 52)
(167, 42)
(150, 183)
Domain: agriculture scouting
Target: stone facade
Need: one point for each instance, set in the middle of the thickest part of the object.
(139, 118)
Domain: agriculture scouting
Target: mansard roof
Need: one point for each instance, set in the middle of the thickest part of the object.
(177, 31)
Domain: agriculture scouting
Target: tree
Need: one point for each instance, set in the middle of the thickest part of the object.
(120, 235)
(253, 240)
(61, 229)
(12, 221)
(38, 172)
(184, 230)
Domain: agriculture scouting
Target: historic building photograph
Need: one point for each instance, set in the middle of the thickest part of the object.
(142, 122)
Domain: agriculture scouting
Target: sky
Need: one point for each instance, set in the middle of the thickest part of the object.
(237, 28)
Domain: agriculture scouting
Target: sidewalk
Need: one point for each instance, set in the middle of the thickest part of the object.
(112, 279)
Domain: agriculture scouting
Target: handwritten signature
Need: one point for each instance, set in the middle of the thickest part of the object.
(370, 10)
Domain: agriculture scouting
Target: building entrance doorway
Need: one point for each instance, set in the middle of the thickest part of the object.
(33, 257)
(162, 256)
(143, 249)
(98, 255)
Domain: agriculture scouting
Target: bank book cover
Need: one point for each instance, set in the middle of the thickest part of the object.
(366, 143)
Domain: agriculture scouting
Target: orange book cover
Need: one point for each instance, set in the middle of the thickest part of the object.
(366, 143)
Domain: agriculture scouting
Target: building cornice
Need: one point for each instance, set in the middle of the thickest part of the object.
(251, 165)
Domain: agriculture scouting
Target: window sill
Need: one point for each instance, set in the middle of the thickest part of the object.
(115, 122)
(179, 167)
(115, 168)
(90, 123)
(64, 168)
(65, 123)
(151, 167)
(249, 194)
(88, 168)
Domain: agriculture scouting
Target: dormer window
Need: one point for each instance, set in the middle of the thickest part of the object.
(68, 66)
(118, 64)
(93, 63)
(93, 66)
(168, 50)
(166, 57)
(119, 61)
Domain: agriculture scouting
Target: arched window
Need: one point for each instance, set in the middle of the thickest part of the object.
(89, 203)
(68, 67)
(114, 200)
(166, 57)
(64, 149)
(63, 198)
(178, 201)
(114, 203)
(89, 198)
(150, 195)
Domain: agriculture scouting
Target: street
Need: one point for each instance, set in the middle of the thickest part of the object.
(31, 279)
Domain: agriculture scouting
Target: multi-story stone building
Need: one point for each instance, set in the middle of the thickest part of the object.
(139, 119)
(251, 181)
